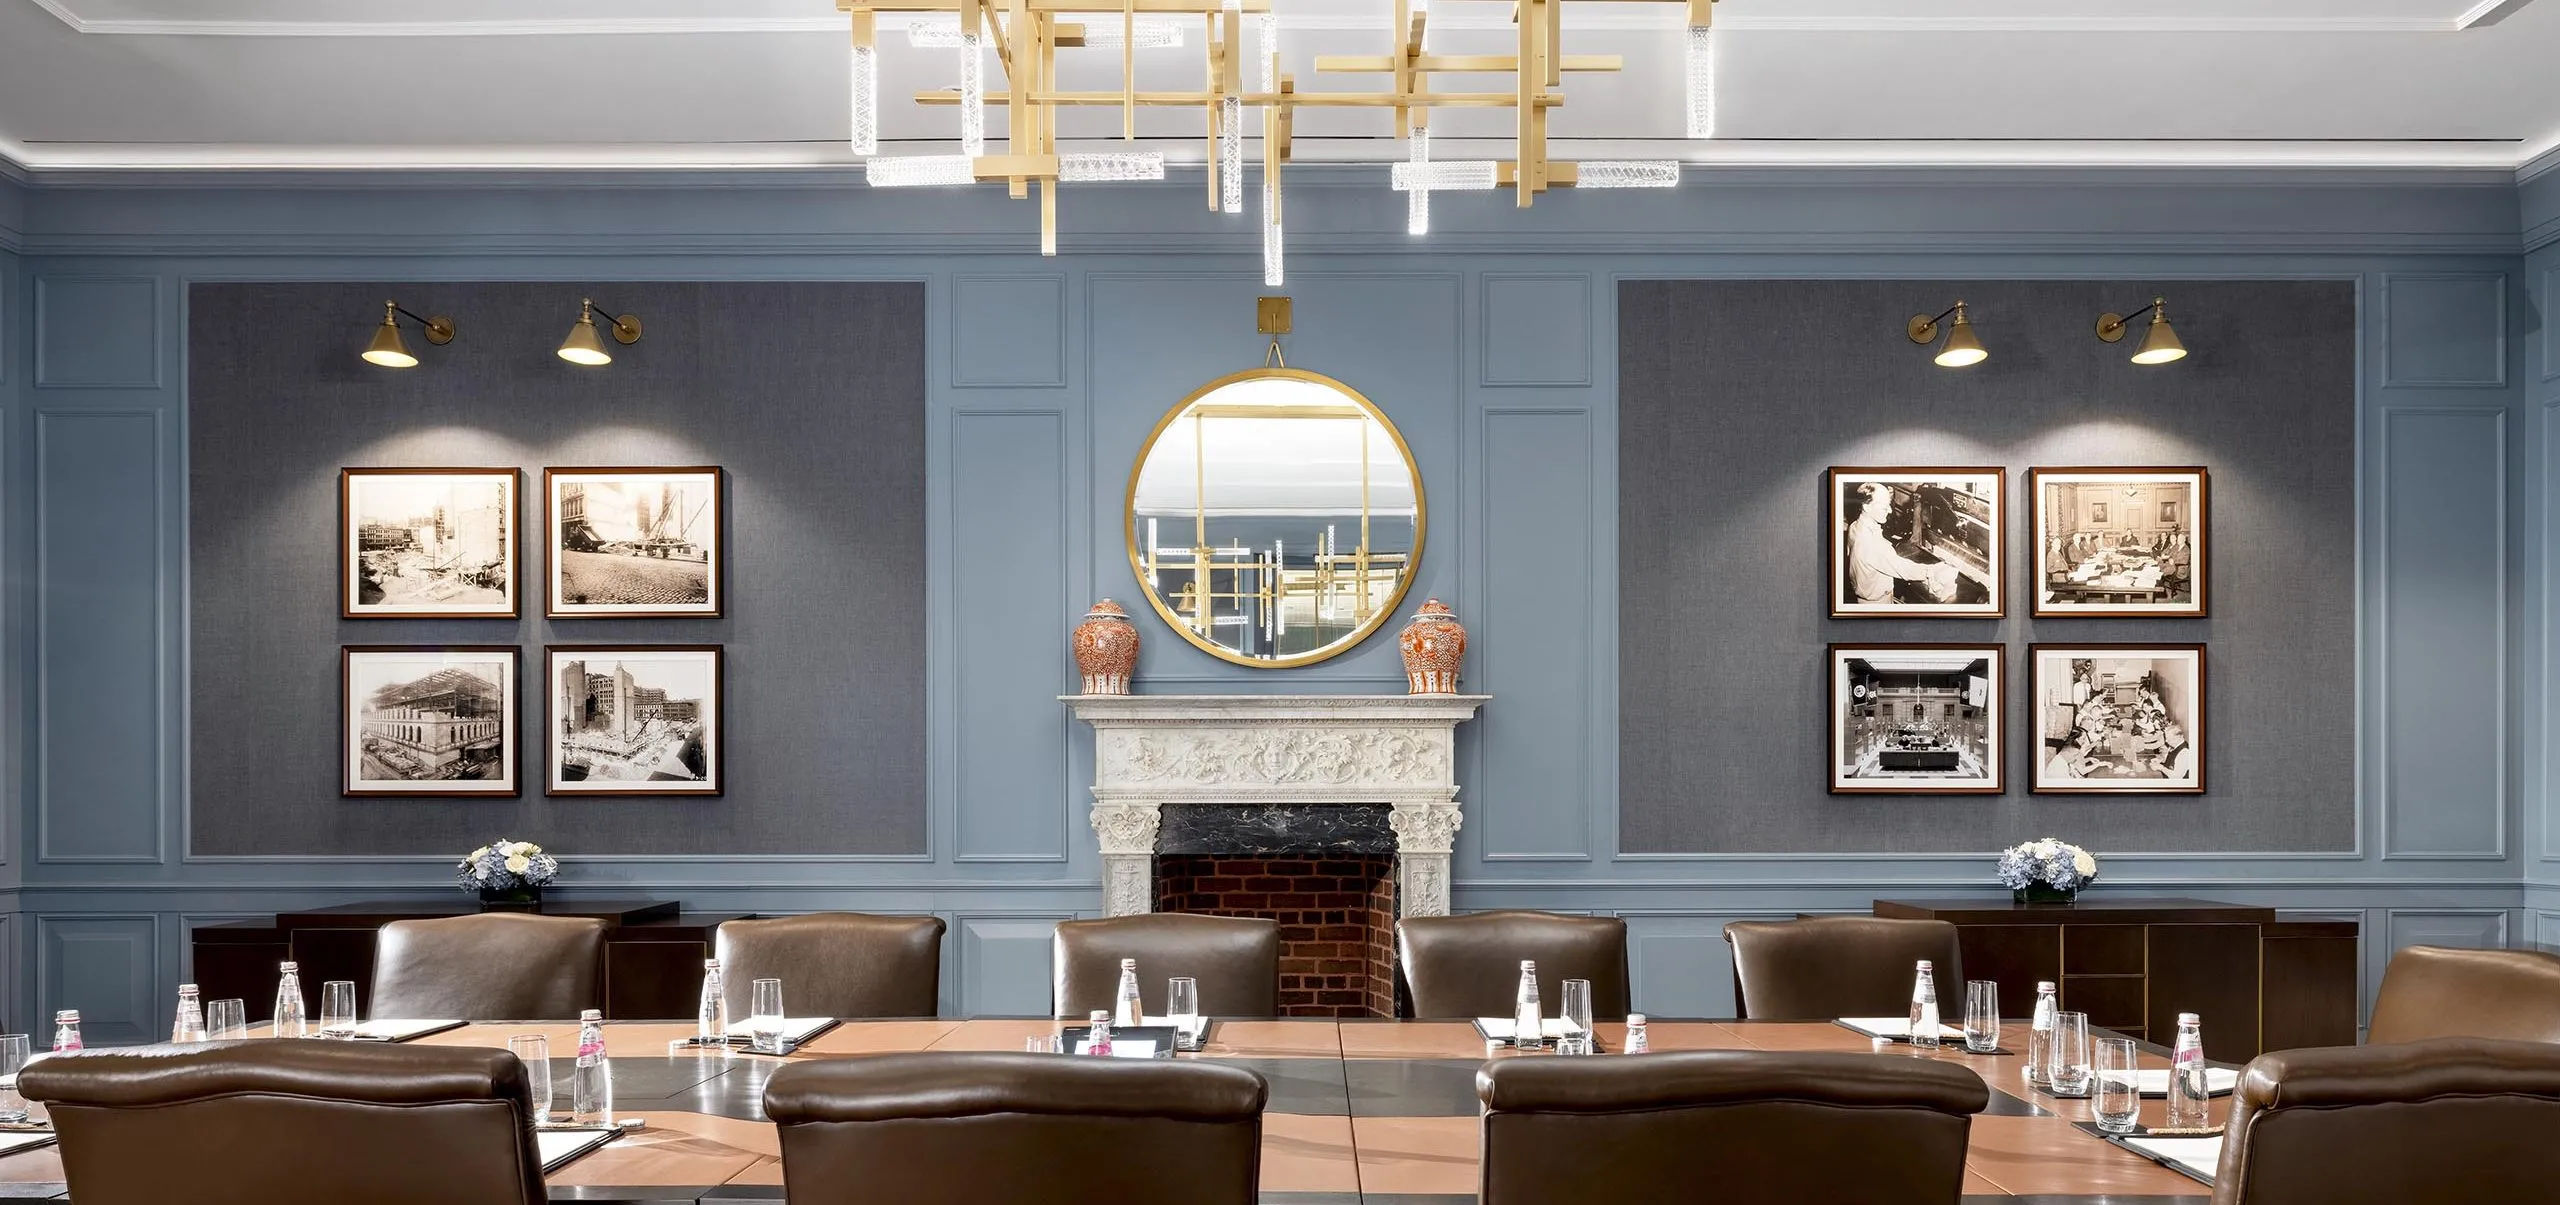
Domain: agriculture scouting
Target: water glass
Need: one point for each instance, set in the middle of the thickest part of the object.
(2070, 1069)
(1981, 1016)
(1576, 1011)
(2116, 1093)
(226, 1020)
(534, 1051)
(1182, 999)
(764, 1017)
(338, 1008)
(13, 1058)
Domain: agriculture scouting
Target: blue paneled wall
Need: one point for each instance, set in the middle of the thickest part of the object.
(1492, 345)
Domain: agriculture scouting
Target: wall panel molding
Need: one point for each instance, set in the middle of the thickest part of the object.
(1009, 548)
(98, 332)
(2469, 929)
(102, 650)
(107, 965)
(2443, 687)
(1535, 535)
(1009, 332)
(2444, 330)
(1537, 329)
(1004, 963)
(2550, 317)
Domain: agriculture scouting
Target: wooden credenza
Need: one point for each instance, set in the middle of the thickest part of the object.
(652, 970)
(2134, 964)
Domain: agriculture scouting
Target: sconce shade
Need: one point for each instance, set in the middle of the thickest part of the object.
(1964, 349)
(2161, 345)
(583, 346)
(387, 348)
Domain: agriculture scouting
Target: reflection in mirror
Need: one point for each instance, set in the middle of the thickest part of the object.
(1275, 518)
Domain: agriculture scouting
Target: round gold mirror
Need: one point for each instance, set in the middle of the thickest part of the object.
(1275, 518)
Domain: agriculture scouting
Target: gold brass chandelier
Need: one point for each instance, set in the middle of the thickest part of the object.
(1027, 36)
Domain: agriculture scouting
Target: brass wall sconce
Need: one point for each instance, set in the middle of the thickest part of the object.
(1963, 348)
(2160, 344)
(585, 347)
(390, 351)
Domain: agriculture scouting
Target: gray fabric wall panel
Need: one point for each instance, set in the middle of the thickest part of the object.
(1734, 396)
(812, 396)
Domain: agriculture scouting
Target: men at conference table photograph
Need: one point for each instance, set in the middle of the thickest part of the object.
(2121, 723)
(1916, 542)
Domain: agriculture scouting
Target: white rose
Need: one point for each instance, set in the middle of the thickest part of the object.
(477, 854)
(2045, 848)
(2082, 862)
(518, 864)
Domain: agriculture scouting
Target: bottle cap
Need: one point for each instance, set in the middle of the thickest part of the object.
(288, 968)
(1128, 964)
(2189, 1019)
(1101, 1016)
(590, 1014)
(1529, 964)
(1924, 964)
(1635, 1018)
(186, 989)
(68, 1016)
(710, 964)
(2044, 985)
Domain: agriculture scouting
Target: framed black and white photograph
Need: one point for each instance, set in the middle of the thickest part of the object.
(633, 720)
(633, 543)
(2119, 542)
(1916, 719)
(2121, 719)
(1918, 542)
(438, 543)
(428, 720)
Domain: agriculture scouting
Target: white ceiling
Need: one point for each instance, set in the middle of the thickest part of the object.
(173, 84)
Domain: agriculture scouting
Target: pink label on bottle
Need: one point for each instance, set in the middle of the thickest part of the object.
(591, 1048)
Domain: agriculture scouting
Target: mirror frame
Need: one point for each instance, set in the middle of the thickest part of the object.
(1404, 581)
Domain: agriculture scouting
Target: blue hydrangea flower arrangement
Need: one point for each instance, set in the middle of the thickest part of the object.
(2046, 869)
(506, 867)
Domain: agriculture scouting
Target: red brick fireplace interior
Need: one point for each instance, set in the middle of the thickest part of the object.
(1337, 915)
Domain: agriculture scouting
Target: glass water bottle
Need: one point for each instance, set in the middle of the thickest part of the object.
(66, 1030)
(711, 1019)
(189, 1025)
(1637, 1041)
(2039, 1068)
(591, 1082)
(2189, 1095)
(292, 1017)
(1526, 1014)
(1924, 1008)
(1127, 1011)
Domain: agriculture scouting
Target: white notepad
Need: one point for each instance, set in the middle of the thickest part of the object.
(1500, 1029)
(2202, 1156)
(2218, 1081)
(1124, 1048)
(23, 1140)
(1897, 1028)
(795, 1030)
(401, 1030)
(559, 1147)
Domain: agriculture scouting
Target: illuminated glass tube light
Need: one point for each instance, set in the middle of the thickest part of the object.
(1627, 173)
(917, 171)
(1231, 154)
(973, 95)
(1110, 166)
(1447, 175)
(1701, 81)
(1272, 276)
(1417, 205)
(1266, 30)
(866, 100)
(937, 34)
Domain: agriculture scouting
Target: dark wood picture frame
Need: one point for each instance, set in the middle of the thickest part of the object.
(715, 780)
(510, 713)
(1835, 543)
(1835, 728)
(349, 607)
(716, 552)
(2197, 524)
(2196, 725)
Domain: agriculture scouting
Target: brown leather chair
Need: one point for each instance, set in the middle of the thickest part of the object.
(967, 1129)
(1235, 958)
(2434, 992)
(1733, 1127)
(1823, 967)
(497, 966)
(837, 964)
(2451, 1121)
(1469, 966)
(272, 1122)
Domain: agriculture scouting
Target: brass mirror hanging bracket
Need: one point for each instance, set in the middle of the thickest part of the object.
(1271, 317)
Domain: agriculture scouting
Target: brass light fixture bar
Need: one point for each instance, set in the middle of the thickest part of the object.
(1026, 36)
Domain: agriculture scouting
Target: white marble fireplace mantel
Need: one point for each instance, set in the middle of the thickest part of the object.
(1155, 751)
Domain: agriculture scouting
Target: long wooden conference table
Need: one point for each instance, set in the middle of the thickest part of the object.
(1360, 1113)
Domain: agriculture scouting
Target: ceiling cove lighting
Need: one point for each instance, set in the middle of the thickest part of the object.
(1403, 85)
(2160, 345)
(387, 348)
(1963, 348)
(584, 346)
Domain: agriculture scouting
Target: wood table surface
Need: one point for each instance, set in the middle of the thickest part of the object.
(1375, 1112)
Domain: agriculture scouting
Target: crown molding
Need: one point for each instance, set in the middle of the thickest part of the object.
(1648, 18)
